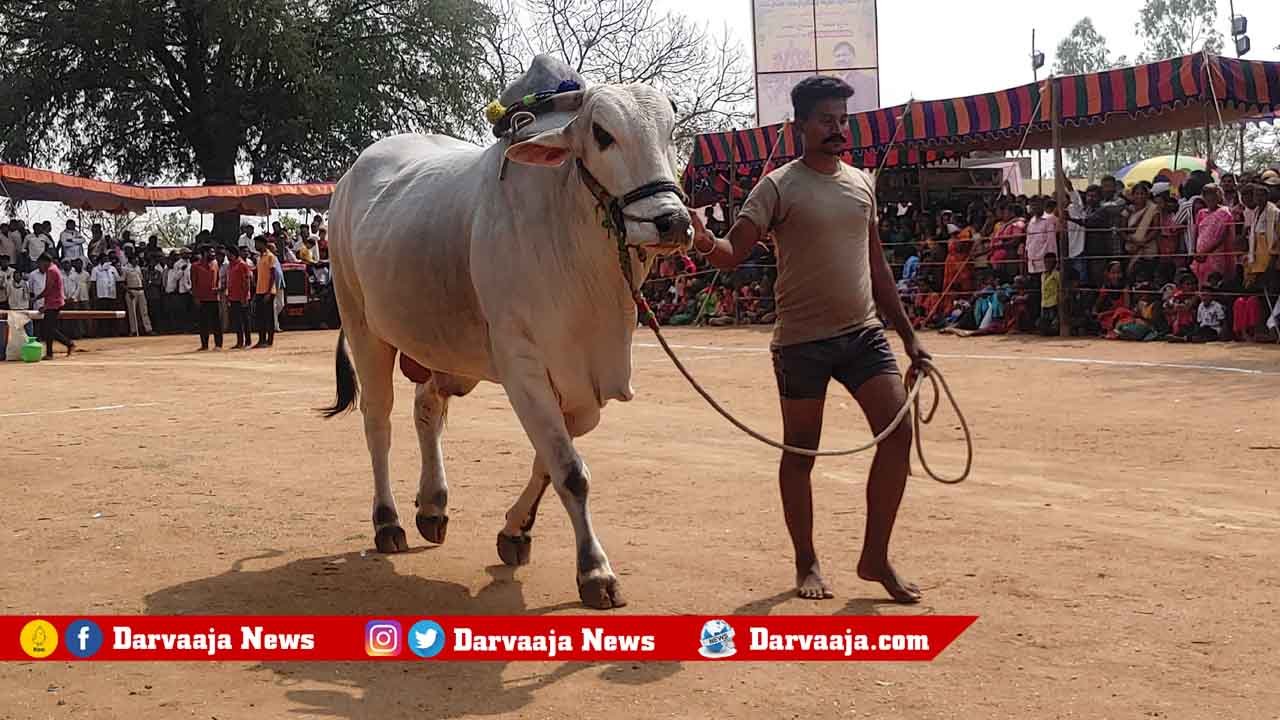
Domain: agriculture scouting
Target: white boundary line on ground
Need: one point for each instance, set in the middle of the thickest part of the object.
(100, 408)
(1011, 358)
(726, 351)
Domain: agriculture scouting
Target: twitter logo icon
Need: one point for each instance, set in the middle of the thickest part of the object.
(426, 638)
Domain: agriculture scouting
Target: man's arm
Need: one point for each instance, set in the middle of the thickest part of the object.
(725, 253)
(885, 291)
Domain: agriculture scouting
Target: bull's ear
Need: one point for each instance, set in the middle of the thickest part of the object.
(549, 149)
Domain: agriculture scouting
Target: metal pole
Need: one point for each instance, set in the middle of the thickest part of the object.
(1035, 75)
(1177, 150)
(1231, 4)
(733, 176)
(1208, 138)
(1055, 109)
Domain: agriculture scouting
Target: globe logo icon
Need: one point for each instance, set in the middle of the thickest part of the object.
(716, 639)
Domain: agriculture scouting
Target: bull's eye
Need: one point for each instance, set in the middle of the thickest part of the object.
(603, 138)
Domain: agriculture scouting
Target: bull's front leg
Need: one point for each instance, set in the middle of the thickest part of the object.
(534, 400)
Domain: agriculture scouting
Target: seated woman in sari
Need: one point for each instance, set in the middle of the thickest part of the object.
(1112, 305)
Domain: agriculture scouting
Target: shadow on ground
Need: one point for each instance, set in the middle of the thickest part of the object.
(351, 584)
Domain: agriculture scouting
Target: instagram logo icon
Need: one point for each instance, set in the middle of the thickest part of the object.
(382, 638)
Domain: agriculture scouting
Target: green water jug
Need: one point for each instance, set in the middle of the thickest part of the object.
(33, 351)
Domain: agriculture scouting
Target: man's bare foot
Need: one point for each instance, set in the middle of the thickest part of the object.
(901, 590)
(811, 586)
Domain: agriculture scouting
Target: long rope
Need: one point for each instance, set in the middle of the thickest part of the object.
(924, 368)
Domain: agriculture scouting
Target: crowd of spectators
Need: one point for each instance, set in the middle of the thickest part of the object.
(204, 287)
(1198, 261)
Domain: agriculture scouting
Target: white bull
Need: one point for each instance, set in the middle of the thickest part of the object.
(511, 280)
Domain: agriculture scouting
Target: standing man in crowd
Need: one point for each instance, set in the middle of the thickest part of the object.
(5, 273)
(220, 256)
(71, 291)
(104, 278)
(833, 281)
(172, 299)
(1042, 239)
(135, 297)
(246, 237)
(264, 294)
(53, 299)
(205, 288)
(240, 295)
(97, 242)
(35, 284)
(8, 247)
(153, 284)
(38, 243)
(72, 243)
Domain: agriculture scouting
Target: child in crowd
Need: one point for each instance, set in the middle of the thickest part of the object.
(1019, 317)
(1050, 284)
(1246, 317)
(988, 305)
(1210, 316)
(1180, 308)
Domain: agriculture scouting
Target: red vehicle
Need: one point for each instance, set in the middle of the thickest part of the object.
(308, 297)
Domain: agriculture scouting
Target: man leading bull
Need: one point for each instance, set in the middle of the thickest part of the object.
(832, 279)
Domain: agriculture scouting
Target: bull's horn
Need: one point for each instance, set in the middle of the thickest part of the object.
(567, 102)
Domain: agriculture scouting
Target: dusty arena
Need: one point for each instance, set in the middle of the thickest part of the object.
(1119, 538)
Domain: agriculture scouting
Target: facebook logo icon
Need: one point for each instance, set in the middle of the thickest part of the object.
(83, 638)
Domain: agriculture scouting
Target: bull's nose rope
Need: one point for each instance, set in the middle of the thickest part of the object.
(923, 368)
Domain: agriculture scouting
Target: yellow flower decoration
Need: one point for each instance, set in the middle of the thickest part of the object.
(494, 111)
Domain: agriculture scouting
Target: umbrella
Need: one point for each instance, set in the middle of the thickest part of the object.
(1148, 169)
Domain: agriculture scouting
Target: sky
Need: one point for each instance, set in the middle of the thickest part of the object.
(935, 49)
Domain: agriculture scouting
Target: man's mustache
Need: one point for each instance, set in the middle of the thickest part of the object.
(836, 138)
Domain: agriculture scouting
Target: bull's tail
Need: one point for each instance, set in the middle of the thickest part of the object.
(345, 375)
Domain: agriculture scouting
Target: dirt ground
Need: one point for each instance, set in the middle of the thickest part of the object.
(1119, 538)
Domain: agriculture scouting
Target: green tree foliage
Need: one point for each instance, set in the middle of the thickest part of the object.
(1083, 50)
(1170, 28)
(182, 89)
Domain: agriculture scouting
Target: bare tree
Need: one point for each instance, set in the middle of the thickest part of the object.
(620, 41)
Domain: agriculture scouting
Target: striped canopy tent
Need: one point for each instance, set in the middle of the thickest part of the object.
(23, 183)
(1176, 94)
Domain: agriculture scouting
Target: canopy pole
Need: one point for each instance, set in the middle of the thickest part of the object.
(1177, 150)
(1208, 141)
(1060, 194)
(733, 176)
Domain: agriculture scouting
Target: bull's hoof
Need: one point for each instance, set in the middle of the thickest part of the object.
(391, 539)
(601, 593)
(433, 527)
(514, 551)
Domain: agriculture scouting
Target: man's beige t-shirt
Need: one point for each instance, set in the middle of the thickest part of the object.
(821, 224)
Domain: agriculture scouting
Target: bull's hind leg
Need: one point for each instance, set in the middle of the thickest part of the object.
(430, 411)
(374, 361)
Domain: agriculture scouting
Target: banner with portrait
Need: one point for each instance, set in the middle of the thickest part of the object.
(798, 38)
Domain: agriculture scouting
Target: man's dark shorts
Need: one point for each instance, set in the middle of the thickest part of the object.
(804, 370)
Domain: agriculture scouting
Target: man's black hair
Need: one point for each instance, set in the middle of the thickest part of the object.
(812, 90)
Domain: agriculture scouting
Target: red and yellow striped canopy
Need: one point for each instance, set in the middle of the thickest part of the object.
(1126, 102)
